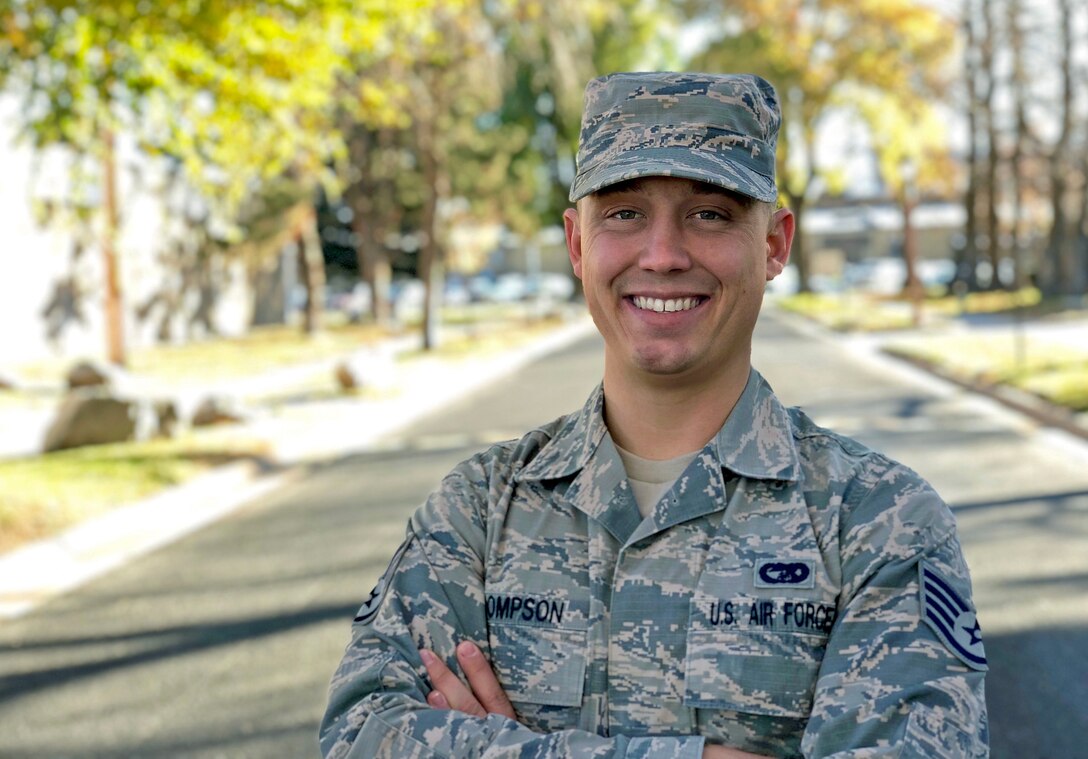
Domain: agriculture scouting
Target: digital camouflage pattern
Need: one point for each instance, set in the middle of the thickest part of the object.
(771, 602)
(720, 129)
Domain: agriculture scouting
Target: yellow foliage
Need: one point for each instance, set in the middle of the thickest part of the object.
(884, 59)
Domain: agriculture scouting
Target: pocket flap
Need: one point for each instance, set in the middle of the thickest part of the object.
(540, 665)
(771, 673)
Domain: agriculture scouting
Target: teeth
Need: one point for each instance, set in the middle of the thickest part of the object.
(659, 305)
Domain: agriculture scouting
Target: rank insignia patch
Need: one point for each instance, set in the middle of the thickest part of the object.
(950, 617)
(370, 607)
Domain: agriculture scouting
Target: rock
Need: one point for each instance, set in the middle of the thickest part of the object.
(166, 418)
(155, 419)
(88, 374)
(89, 417)
(348, 376)
(214, 410)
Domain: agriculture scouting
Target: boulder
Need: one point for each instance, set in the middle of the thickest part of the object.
(348, 375)
(88, 417)
(88, 374)
(214, 410)
(155, 419)
(166, 418)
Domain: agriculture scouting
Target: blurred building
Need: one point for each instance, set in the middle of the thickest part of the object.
(840, 234)
(52, 293)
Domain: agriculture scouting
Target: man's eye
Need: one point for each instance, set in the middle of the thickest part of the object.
(709, 215)
(625, 215)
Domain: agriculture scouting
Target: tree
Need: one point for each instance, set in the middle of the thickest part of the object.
(1027, 124)
(491, 110)
(1062, 272)
(238, 94)
(913, 160)
(825, 56)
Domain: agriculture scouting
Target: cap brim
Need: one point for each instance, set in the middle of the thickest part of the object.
(679, 162)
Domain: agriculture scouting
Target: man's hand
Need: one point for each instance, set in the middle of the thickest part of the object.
(483, 696)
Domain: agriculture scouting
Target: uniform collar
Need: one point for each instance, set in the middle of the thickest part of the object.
(756, 440)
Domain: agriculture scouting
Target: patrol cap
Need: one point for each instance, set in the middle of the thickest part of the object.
(715, 128)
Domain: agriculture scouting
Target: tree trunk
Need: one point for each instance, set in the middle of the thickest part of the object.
(1058, 265)
(967, 258)
(1021, 139)
(912, 285)
(312, 260)
(114, 304)
(372, 202)
(431, 259)
(993, 227)
(1080, 234)
(798, 253)
(430, 265)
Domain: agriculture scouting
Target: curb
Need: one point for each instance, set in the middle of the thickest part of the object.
(36, 572)
(1039, 409)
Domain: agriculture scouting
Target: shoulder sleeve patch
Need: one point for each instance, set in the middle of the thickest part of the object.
(950, 617)
(370, 607)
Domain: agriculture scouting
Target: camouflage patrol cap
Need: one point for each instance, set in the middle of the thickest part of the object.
(715, 128)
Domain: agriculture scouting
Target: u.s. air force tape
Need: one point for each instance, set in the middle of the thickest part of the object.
(370, 607)
(950, 617)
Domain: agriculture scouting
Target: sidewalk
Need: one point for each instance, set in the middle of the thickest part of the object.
(1034, 337)
(308, 432)
(1037, 336)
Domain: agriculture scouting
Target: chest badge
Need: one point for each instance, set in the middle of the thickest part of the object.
(785, 573)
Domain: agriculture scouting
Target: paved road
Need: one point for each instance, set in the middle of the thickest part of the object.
(221, 644)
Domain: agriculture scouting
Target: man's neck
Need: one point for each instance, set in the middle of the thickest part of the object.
(660, 418)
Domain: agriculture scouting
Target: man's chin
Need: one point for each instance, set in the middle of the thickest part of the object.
(664, 364)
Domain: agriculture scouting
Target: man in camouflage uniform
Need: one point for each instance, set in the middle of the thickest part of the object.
(684, 567)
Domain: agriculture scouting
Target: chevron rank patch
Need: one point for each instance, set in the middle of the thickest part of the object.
(950, 617)
(370, 607)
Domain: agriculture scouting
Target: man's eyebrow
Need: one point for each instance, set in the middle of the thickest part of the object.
(630, 185)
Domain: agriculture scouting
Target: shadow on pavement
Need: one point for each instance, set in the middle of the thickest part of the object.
(1056, 501)
(166, 642)
(1055, 696)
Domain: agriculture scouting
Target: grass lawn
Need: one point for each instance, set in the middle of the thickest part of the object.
(849, 312)
(1056, 373)
(270, 347)
(42, 495)
(262, 349)
(1051, 371)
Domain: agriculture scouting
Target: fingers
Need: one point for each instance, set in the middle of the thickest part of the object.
(485, 686)
(449, 692)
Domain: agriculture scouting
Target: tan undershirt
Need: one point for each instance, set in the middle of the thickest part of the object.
(651, 479)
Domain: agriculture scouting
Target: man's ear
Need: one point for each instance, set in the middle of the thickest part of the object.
(574, 239)
(779, 241)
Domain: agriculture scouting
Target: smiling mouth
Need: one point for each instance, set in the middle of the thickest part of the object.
(665, 305)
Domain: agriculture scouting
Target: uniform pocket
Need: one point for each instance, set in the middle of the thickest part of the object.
(540, 665)
(758, 672)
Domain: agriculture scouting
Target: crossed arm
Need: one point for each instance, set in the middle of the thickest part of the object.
(484, 695)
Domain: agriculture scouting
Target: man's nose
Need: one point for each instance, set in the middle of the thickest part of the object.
(665, 249)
